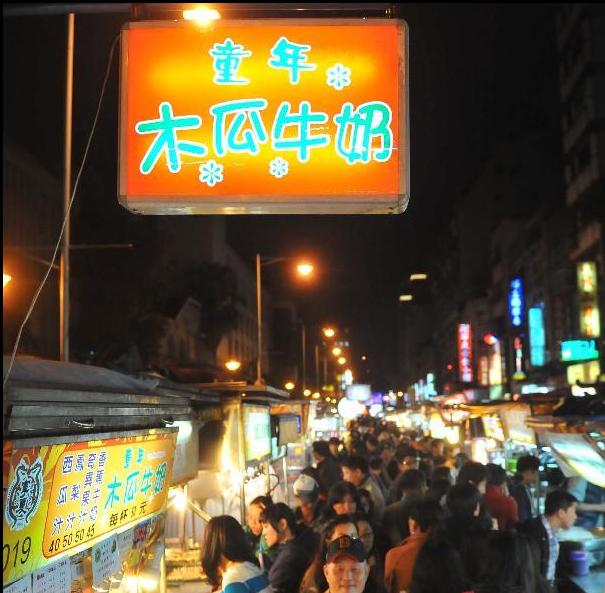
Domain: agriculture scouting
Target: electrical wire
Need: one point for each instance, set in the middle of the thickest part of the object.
(66, 217)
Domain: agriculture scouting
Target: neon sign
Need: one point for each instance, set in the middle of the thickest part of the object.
(590, 319)
(515, 302)
(537, 338)
(296, 116)
(576, 350)
(465, 352)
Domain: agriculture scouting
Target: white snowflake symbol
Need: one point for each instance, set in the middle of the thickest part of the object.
(339, 76)
(211, 173)
(278, 167)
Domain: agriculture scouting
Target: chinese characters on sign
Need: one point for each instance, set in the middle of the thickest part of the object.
(465, 352)
(296, 116)
(65, 497)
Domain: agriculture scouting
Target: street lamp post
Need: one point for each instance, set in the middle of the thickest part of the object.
(303, 269)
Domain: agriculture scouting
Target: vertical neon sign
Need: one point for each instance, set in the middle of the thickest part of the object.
(515, 302)
(465, 352)
(590, 322)
(537, 338)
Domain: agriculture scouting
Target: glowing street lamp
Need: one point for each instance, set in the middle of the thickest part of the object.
(414, 277)
(336, 351)
(202, 16)
(307, 392)
(305, 269)
(233, 365)
(405, 298)
(329, 332)
(342, 360)
(289, 386)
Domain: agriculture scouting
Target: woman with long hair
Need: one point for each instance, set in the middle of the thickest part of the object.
(227, 558)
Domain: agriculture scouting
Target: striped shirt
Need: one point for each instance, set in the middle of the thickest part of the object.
(553, 550)
(245, 577)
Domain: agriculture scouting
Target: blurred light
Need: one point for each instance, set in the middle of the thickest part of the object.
(364, 358)
(337, 351)
(418, 277)
(334, 410)
(400, 394)
(307, 392)
(233, 365)
(405, 298)
(342, 360)
(6, 278)
(185, 430)
(582, 391)
(450, 367)
(490, 339)
(202, 16)
(289, 386)
(316, 395)
(304, 269)
(179, 499)
(329, 332)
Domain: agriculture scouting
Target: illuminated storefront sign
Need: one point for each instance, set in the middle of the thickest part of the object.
(576, 350)
(590, 318)
(430, 385)
(495, 365)
(465, 352)
(264, 116)
(585, 372)
(515, 302)
(483, 370)
(537, 338)
(518, 375)
(61, 499)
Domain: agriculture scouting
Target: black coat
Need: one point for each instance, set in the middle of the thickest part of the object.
(538, 542)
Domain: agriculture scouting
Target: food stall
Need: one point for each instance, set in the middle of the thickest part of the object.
(484, 433)
(578, 445)
(293, 441)
(87, 460)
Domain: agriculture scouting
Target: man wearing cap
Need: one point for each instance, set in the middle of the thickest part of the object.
(346, 568)
(306, 491)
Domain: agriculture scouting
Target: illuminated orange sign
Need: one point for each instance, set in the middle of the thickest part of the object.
(275, 116)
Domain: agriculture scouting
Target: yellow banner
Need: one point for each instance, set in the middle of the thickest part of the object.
(61, 499)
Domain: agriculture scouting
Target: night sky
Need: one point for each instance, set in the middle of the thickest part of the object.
(479, 74)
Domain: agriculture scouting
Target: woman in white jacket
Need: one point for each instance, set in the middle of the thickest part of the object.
(228, 561)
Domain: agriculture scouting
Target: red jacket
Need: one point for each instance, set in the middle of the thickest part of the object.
(502, 507)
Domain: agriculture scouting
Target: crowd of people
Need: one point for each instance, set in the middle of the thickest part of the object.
(394, 512)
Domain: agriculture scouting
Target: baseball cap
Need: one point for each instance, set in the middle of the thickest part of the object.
(306, 488)
(347, 546)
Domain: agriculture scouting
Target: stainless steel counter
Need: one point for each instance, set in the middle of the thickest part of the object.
(594, 582)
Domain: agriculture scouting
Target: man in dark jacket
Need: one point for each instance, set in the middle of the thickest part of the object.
(293, 556)
(527, 474)
(559, 513)
(328, 470)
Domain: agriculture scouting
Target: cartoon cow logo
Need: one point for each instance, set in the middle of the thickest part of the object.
(24, 494)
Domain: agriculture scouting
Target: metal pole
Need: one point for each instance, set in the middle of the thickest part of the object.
(304, 357)
(64, 281)
(325, 361)
(317, 367)
(259, 323)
